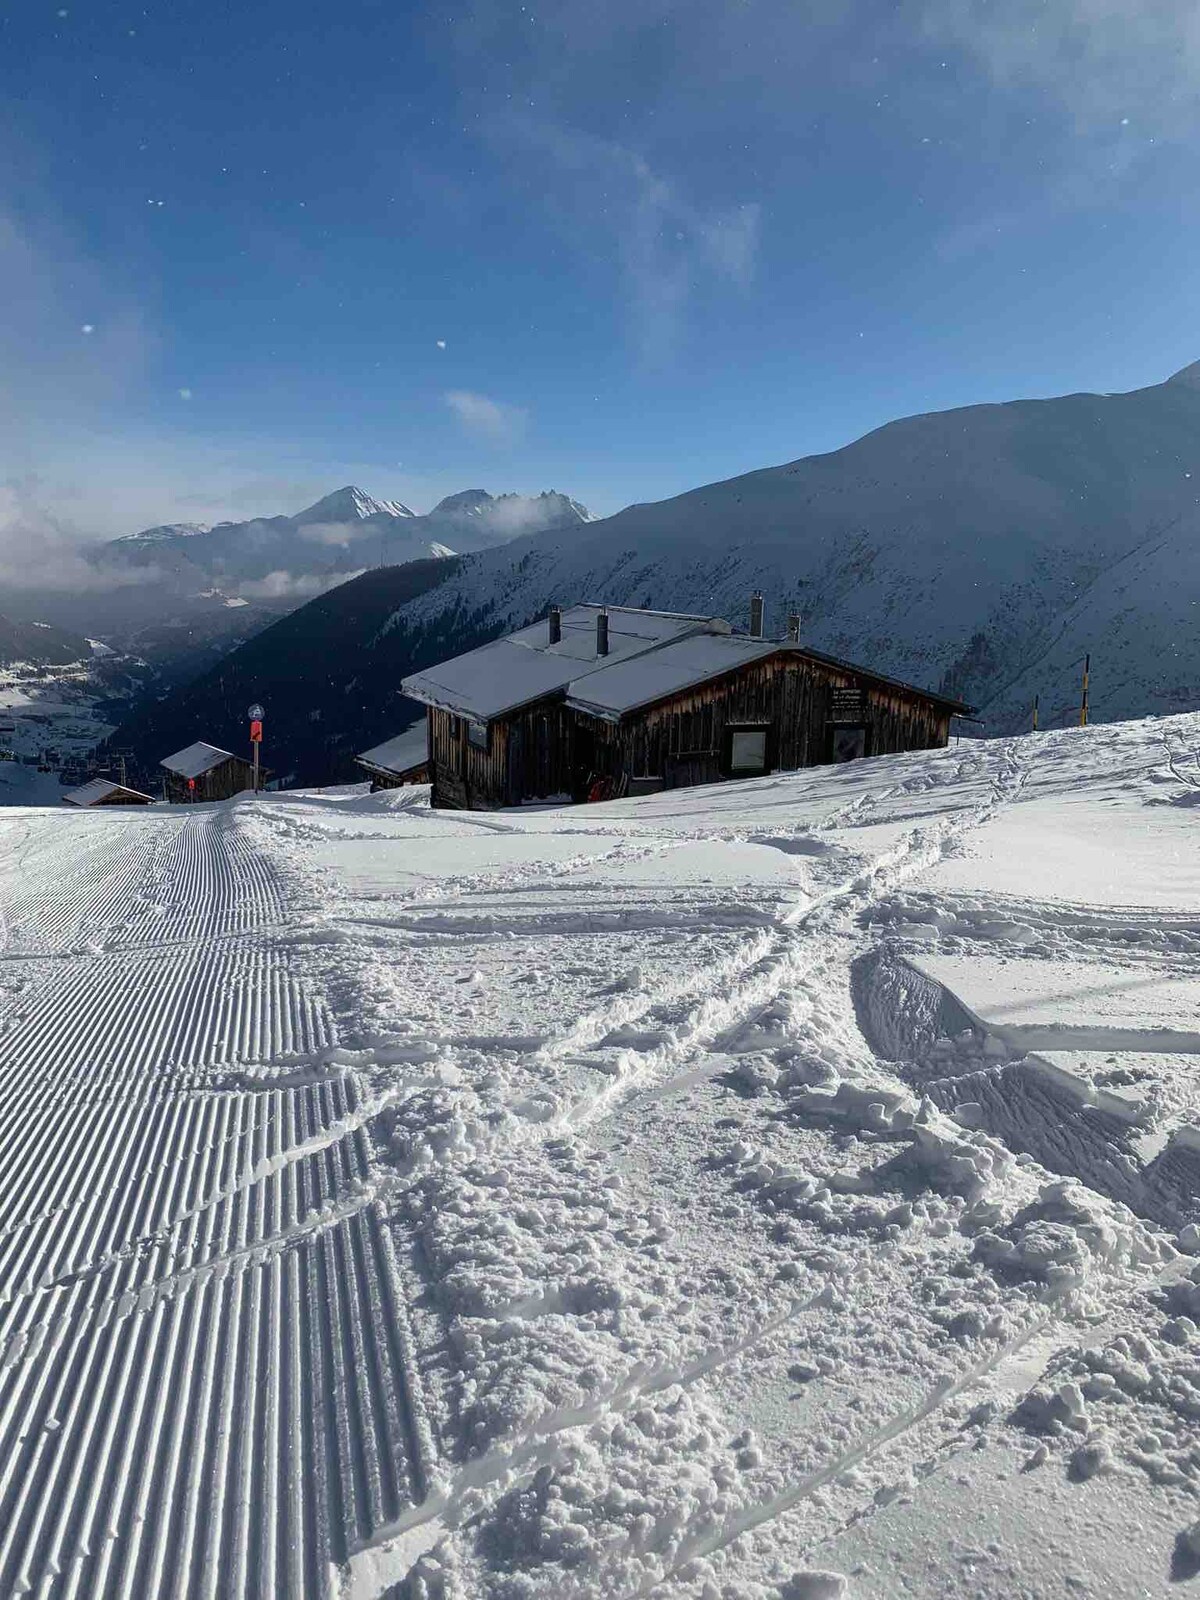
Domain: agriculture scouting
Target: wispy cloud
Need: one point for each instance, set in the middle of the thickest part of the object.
(487, 419)
(666, 244)
(1102, 61)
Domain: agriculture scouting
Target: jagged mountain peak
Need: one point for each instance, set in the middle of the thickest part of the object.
(350, 504)
(550, 504)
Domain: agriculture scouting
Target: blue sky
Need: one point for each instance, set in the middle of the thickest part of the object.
(250, 252)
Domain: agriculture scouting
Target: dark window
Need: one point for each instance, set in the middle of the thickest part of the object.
(477, 733)
(848, 743)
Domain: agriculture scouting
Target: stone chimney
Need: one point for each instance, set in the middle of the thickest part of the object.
(756, 615)
(602, 633)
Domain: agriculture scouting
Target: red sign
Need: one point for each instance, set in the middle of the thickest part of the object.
(191, 783)
(256, 733)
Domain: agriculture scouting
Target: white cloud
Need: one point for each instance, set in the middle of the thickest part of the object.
(487, 419)
(1102, 61)
(289, 586)
(667, 245)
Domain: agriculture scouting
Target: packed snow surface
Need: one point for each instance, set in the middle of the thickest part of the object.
(650, 1199)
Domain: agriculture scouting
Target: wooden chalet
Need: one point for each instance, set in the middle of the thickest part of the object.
(598, 701)
(206, 772)
(398, 761)
(103, 792)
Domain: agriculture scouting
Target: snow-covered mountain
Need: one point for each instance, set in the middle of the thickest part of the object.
(474, 515)
(985, 550)
(165, 533)
(291, 556)
(351, 505)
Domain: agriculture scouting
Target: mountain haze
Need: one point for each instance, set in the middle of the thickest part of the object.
(344, 532)
(39, 644)
(174, 598)
(327, 675)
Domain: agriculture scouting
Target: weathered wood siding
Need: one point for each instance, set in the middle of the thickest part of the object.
(685, 740)
(529, 756)
(550, 752)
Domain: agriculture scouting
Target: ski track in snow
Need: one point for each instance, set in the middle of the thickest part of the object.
(228, 1363)
(202, 1385)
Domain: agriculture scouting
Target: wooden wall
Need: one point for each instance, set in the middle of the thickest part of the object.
(548, 751)
(396, 780)
(684, 740)
(218, 783)
(529, 756)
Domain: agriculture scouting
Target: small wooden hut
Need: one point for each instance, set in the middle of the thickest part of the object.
(401, 760)
(206, 772)
(604, 701)
(103, 792)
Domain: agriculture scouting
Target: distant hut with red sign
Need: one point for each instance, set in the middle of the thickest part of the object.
(206, 772)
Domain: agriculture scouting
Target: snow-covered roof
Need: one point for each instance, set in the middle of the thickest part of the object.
(639, 682)
(511, 672)
(99, 790)
(198, 758)
(631, 684)
(402, 753)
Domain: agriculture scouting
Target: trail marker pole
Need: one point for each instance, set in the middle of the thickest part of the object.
(255, 714)
(1036, 698)
(1083, 705)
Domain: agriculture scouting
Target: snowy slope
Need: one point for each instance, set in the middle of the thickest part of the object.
(661, 1198)
(983, 550)
(39, 644)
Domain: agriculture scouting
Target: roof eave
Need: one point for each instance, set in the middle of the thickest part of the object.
(781, 647)
(956, 707)
(391, 772)
(459, 708)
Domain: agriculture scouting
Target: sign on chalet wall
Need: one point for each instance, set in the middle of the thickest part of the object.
(848, 705)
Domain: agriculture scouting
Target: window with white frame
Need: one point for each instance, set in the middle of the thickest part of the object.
(748, 750)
